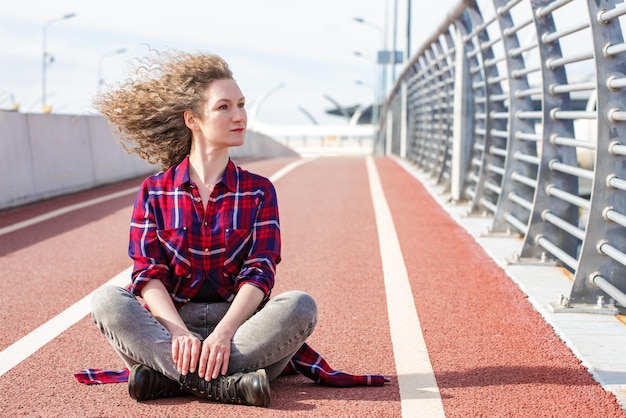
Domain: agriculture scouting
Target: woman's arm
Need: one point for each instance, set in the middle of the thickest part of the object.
(145, 248)
(185, 346)
(259, 264)
(216, 348)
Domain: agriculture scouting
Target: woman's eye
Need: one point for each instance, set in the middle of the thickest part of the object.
(223, 107)
(242, 105)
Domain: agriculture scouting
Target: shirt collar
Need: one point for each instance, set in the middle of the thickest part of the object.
(229, 178)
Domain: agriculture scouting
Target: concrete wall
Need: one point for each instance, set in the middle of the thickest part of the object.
(42, 156)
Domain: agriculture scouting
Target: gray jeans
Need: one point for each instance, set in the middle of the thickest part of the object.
(267, 340)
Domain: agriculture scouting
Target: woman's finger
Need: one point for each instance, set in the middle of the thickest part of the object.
(225, 361)
(182, 365)
(175, 350)
(210, 365)
(204, 358)
(219, 359)
(194, 354)
(185, 349)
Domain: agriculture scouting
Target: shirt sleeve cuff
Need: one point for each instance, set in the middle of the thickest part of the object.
(257, 278)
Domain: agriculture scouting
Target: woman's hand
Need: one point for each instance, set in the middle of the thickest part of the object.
(186, 352)
(185, 346)
(215, 355)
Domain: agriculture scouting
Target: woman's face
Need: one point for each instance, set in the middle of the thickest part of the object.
(223, 118)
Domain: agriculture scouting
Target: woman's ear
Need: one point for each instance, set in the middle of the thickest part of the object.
(190, 120)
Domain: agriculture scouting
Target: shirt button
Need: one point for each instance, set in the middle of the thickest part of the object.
(206, 223)
(184, 228)
(206, 250)
(197, 199)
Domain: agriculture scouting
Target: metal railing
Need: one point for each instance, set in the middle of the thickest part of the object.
(519, 108)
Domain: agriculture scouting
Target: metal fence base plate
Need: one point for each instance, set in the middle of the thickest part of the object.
(557, 307)
(515, 260)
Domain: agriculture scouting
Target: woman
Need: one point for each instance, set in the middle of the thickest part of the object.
(205, 241)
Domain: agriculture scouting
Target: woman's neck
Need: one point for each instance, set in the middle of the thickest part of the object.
(207, 166)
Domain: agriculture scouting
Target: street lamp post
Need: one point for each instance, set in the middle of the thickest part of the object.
(395, 37)
(44, 61)
(108, 54)
(377, 83)
(383, 48)
(408, 31)
(378, 95)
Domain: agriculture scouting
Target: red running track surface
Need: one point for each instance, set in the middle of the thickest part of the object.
(492, 354)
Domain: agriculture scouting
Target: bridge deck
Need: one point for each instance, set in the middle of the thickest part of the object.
(489, 350)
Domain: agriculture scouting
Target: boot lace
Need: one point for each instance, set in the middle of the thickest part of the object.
(222, 389)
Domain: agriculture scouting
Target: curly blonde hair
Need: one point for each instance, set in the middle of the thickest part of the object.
(147, 109)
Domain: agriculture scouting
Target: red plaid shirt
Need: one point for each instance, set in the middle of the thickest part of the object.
(235, 241)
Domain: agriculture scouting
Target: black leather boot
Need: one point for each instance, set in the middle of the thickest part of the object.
(241, 388)
(146, 384)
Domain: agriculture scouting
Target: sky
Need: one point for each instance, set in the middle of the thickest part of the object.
(285, 54)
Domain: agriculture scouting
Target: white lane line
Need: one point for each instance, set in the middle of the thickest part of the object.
(64, 210)
(419, 394)
(286, 169)
(30, 343)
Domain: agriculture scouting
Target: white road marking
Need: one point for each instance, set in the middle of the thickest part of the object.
(30, 343)
(64, 210)
(27, 345)
(419, 394)
(286, 169)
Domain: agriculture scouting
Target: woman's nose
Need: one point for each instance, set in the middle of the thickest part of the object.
(240, 114)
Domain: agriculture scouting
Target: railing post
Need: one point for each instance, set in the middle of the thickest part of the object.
(462, 121)
(515, 195)
(541, 235)
(601, 267)
(403, 120)
(484, 182)
(389, 133)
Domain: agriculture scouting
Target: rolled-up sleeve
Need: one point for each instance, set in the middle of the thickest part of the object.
(259, 267)
(149, 261)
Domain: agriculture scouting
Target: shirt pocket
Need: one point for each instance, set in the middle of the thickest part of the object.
(237, 245)
(176, 250)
